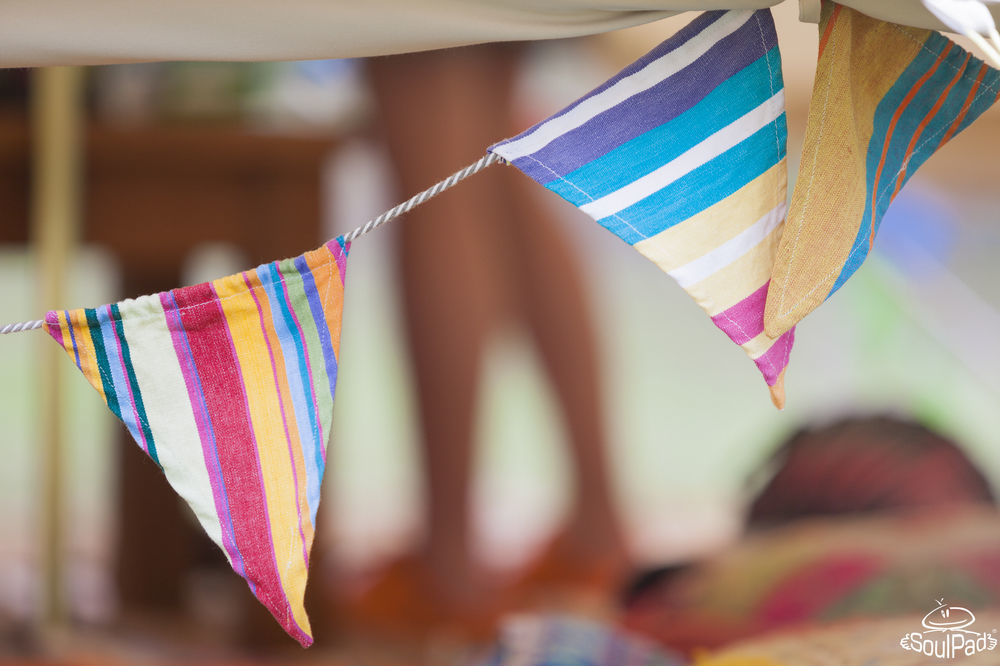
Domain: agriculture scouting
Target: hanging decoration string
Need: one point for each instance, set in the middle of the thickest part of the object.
(371, 225)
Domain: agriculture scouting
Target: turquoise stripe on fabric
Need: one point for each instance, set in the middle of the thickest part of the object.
(703, 187)
(647, 152)
(97, 337)
(297, 377)
(140, 406)
(118, 378)
(911, 118)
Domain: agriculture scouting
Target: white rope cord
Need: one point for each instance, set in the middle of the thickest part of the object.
(433, 191)
(371, 225)
(22, 326)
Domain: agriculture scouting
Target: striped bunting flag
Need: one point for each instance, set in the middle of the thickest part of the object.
(682, 156)
(886, 98)
(228, 387)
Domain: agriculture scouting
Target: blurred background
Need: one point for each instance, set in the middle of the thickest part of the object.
(249, 162)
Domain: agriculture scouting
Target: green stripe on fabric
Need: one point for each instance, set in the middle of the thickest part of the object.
(97, 337)
(299, 300)
(140, 408)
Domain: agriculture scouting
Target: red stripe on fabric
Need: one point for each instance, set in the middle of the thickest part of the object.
(901, 176)
(965, 107)
(892, 128)
(829, 29)
(744, 321)
(226, 401)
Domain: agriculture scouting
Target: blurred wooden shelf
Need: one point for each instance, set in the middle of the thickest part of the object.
(154, 192)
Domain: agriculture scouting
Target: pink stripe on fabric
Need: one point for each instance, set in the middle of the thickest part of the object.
(210, 343)
(196, 399)
(744, 321)
(340, 254)
(54, 328)
(775, 359)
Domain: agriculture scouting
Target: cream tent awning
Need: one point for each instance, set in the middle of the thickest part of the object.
(60, 32)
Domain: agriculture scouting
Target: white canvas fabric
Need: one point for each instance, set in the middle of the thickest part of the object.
(64, 32)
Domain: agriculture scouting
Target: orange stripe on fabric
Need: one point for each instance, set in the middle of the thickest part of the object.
(892, 127)
(965, 107)
(829, 29)
(901, 177)
(286, 410)
(88, 356)
(323, 265)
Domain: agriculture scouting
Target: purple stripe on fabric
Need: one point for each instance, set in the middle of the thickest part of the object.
(318, 314)
(284, 417)
(744, 321)
(72, 337)
(653, 107)
(205, 434)
(677, 40)
(774, 360)
(125, 375)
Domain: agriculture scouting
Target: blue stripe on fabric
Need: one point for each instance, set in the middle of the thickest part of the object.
(137, 400)
(287, 269)
(642, 155)
(72, 337)
(118, 381)
(657, 105)
(291, 348)
(704, 187)
(319, 318)
(906, 127)
(101, 359)
(883, 117)
(985, 98)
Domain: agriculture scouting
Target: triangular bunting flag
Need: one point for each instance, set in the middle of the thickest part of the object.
(228, 386)
(682, 156)
(886, 98)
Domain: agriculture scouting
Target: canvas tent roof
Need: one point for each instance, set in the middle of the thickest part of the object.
(56, 32)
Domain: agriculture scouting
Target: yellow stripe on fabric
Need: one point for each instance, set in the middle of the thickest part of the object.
(284, 408)
(168, 408)
(730, 285)
(758, 346)
(250, 343)
(699, 235)
(85, 345)
(862, 60)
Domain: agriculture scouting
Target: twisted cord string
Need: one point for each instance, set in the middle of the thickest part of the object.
(391, 214)
(22, 326)
(430, 192)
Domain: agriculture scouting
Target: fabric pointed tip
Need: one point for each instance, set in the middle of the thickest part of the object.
(778, 391)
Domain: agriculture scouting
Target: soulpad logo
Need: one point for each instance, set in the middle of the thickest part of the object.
(947, 634)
